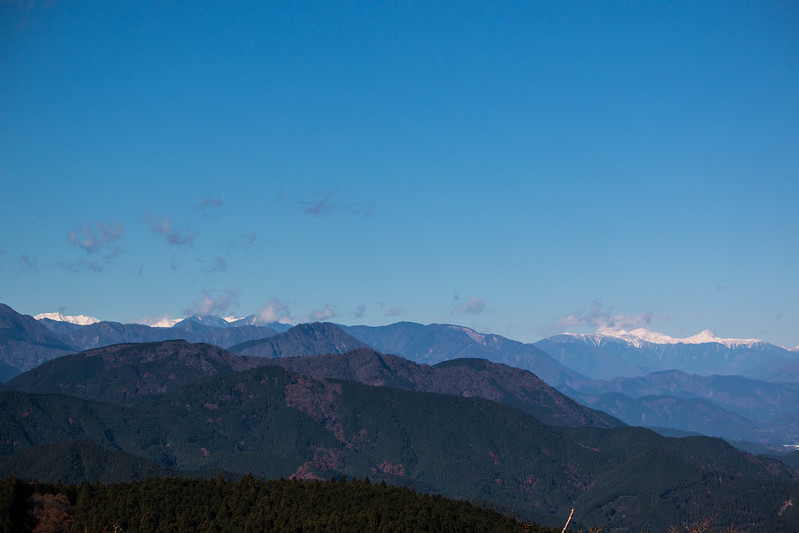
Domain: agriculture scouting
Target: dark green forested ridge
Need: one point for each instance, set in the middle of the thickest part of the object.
(248, 504)
(275, 423)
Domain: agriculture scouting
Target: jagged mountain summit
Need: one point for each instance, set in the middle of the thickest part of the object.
(637, 337)
(257, 320)
(205, 320)
(305, 339)
(612, 354)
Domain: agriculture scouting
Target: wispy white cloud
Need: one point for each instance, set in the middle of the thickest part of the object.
(320, 314)
(602, 319)
(174, 237)
(473, 306)
(394, 311)
(93, 239)
(359, 312)
(276, 311)
(214, 302)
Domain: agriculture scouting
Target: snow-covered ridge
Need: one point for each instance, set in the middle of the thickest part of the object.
(476, 337)
(165, 322)
(638, 337)
(81, 320)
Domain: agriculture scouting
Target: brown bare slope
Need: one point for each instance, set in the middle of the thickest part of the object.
(477, 378)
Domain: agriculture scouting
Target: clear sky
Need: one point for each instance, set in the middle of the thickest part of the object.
(523, 168)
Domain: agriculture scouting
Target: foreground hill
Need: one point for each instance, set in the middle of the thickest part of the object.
(276, 423)
(118, 373)
(244, 505)
(462, 377)
(435, 343)
(123, 372)
(74, 462)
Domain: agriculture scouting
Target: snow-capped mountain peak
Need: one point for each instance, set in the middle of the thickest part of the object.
(639, 336)
(164, 322)
(81, 320)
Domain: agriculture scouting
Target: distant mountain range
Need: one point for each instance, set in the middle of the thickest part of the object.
(616, 354)
(752, 398)
(641, 377)
(25, 343)
(435, 343)
(171, 406)
(77, 320)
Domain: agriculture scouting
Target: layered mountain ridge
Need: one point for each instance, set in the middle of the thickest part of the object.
(584, 367)
(194, 407)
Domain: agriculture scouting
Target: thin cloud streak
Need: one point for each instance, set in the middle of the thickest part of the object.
(210, 203)
(81, 265)
(174, 237)
(324, 203)
(28, 263)
(217, 264)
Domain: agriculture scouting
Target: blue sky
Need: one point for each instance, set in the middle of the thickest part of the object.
(523, 168)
